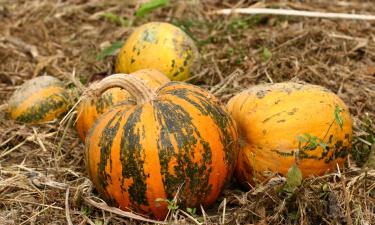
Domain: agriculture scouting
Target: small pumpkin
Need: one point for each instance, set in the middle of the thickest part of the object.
(90, 109)
(39, 100)
(286, 123)
(161, 46)
(176, 140)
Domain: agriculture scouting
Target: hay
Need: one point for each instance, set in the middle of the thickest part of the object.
(42, 178)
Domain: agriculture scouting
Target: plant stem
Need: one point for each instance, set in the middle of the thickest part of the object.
(135, 86)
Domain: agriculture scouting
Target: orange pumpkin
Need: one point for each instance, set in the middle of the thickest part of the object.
(178, 139)
(91, 108)
(41, 99)
(284, 123)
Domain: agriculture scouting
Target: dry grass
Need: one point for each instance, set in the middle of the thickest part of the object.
(42, 177)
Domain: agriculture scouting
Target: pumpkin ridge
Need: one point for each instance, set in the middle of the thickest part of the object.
(132, 159)
(108, 133)
(183, 130)
(216, 113)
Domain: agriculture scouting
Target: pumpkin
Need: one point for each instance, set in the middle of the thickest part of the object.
(161, 46)
(39, 100)
(177, 140)
(286, 123)
(91, 108)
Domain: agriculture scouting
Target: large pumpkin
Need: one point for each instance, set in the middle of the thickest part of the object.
(284, 123)
(161, 46)
(91, 108)
(38, 100)
(177, 140)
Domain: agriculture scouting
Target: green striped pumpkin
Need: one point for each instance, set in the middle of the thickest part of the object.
(39, 100)
(176, 141)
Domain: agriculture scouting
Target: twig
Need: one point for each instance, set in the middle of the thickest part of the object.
(75, 81)
(88, 220)
(347, 203)
(117, 211)
(175, 198)
(224, 207)
(25, 46)
(221, 87)
(32, 203)
(204, 215)
(190, 217)
(39, 140)
(13, 149)
(35, 215)
(290, 12)
(268, 76)
(69, 123)
(67, 211)
(3, 106)
(203, 72)
(70, 112)
(7, 140)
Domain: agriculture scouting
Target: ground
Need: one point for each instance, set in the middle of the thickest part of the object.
(65, 38)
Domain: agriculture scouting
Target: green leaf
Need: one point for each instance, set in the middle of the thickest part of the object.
(266, 54)
(191, 211)
(294, 215)
(325, 187)
(109, 50)
(86, 210)
(301, 139)
(323, 145)
(98, 222)
(312, 143)
(293, 178)
(150, 6)
(338, 117)
(172, 207)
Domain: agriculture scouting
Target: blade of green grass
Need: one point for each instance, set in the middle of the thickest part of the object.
(109, 50)
(150, 6)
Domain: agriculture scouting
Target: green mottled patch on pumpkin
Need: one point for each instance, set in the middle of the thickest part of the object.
(102, 103)
(132, 158)
(149, 35)
(105, 143)
(44, 107)
(176, 123)
(283, 154)
(214, 111)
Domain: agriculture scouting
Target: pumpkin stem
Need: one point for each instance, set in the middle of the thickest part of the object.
(132, 84)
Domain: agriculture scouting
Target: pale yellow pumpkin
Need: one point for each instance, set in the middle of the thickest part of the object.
(274, 122)
(160, 46)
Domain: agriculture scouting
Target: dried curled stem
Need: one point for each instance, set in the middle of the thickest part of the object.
(132, 84)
